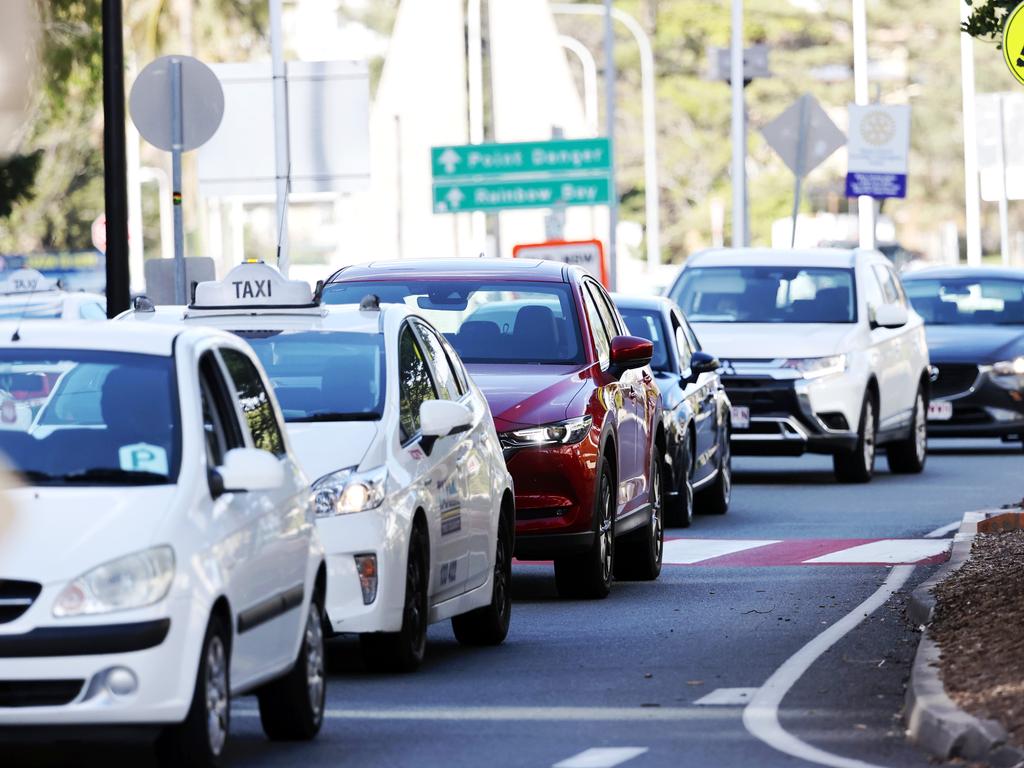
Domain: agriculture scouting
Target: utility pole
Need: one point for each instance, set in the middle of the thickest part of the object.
(115, 164)
(972, 193)
(609, 86)
(739, 130)
(865, 204)
(282, 161)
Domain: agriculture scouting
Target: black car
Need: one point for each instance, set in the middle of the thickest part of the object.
(975, 324)
(695, 409)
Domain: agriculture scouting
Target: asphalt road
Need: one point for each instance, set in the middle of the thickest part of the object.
(628, 672)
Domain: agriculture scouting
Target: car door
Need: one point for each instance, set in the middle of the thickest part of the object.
(700, 395)
(279, 525)
(437, 470)
(895, 379)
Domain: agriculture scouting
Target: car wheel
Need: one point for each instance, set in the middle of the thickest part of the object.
(908, 456)
(200, 740)
(679, 507)
(858, 465)
(589, 575)
(489, 625)
(715, 500)
(292, 707)
(639, 555)
(403, 651)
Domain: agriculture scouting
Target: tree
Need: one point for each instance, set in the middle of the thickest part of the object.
(986, 20)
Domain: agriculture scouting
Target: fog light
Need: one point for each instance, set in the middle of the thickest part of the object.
(121, 681)
(366, 566)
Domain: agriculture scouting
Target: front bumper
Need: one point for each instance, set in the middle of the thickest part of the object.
(983, 405)
(790, 417)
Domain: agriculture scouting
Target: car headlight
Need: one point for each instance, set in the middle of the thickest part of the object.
(559, 433)
(1013, 367)
(348, 491)
(134, 581)
(816, 367)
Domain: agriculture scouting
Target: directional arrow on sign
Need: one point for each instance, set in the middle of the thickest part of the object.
(454, 197)
(449, 159)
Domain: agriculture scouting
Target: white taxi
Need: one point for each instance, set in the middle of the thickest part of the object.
(162, 555)
(414, 503)
(27, 294)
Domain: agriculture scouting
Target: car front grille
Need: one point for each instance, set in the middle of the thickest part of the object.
(38, 693)
(16, 597)
(953, 379)
(761, 396)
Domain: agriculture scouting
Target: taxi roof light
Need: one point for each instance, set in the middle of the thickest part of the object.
(253, 284)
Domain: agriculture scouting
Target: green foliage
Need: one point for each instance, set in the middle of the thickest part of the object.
(17, 175)
(986, 19)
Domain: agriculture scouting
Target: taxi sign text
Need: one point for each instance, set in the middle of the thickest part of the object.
(252, 289)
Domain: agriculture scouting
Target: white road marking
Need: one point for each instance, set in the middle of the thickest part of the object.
(761, 715)
(938, 533)
(688, 551)
(887, 551)
(726, 697)
(597, 714)
(601, 757)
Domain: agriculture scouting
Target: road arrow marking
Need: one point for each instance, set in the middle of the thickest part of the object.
(449, 159)
(601, 757)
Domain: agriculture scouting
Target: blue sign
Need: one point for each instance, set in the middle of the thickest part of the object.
(876, 184)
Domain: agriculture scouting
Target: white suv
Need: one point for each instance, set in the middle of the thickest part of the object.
(820, 352)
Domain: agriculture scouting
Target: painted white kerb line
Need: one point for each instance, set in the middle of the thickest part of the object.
(761, 715)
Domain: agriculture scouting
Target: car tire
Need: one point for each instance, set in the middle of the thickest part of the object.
(858, 465)
(589, 575)
(292, 707)
(640, 553)
(488, 625)
(715, 500)
(679, 507)
(201, 738)
(908, 456)
(403, 651)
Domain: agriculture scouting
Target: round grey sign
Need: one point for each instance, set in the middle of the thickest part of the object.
(202, 103)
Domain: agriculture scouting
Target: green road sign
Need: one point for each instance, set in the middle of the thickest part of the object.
(530, 193)
(559, 156)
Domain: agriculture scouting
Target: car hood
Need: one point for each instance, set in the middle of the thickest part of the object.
(327, 446)
(770, 341)
(974, 343)
(527, 395)
(56, 534)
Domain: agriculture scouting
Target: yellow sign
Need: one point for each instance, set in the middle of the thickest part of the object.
(1013, 42)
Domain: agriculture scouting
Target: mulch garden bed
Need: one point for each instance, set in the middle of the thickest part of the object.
(979, 626)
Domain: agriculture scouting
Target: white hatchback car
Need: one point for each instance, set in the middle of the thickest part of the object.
(820, 352)
(414, 502)
(163, 553)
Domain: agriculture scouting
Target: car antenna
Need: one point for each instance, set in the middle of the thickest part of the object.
(284, 211)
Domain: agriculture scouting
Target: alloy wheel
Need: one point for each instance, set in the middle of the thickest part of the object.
(920, 429)
(657, 518)
(315, 661)
(605, 533)
(869, 436)
(217, 699)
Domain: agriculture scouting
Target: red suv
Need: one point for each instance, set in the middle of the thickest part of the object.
(573, 400)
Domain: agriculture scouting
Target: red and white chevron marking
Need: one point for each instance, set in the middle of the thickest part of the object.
(755, 553)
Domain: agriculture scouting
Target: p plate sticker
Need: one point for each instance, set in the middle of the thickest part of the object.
(143, 457)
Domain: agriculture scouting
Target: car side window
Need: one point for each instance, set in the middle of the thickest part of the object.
(221, 431)
(610, 315)
(601, 340)
(461, 376)
(254, 402)
(683, 342)
(414, 383)
(444, 376)
(887, 282)
(873, 296)
(898, 284)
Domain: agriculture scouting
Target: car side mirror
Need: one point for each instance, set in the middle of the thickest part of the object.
(628, 352)
(891, 316)
(440, 418)
(247, 469)
(702, 362)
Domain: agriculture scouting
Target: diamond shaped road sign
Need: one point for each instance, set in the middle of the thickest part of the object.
(820, 137)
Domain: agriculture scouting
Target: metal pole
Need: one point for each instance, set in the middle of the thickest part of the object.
(801, 140)
(865, 204)
(115, 170)
(652, 189)
(1004, 222)
(177, 140)
(972, 195)
(399, 192)
(475, 72)
(282, 161)
(586, 59)
(739, 130)
(609, 86)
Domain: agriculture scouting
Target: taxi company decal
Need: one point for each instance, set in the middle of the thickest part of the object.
(451, 509)
(143, 457)
(449, 572)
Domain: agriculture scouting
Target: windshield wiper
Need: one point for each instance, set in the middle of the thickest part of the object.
(112, 474)
(333, 416)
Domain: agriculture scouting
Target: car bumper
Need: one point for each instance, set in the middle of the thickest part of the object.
(988, 406)
(790, 417)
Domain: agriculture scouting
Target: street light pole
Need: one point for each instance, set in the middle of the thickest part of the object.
(865, 204)
(610, 76)
(282, 161)
(739, 130)
(115, 164)
(972, 194)
(586, 59)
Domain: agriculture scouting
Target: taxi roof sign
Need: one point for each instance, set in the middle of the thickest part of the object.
(25, 281)
(253, 285)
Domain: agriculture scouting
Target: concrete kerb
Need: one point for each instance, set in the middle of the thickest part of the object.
(934, 721)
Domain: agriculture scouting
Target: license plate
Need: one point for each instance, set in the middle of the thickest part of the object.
(940, 411)
(740, 417)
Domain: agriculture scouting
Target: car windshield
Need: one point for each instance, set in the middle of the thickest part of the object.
(647, 324)
(486, 322)
(74, 417)
(323, 375)
(766, 295)
(967, 300)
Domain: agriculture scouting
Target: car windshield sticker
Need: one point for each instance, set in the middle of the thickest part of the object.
(143, 457)
(451, 510)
